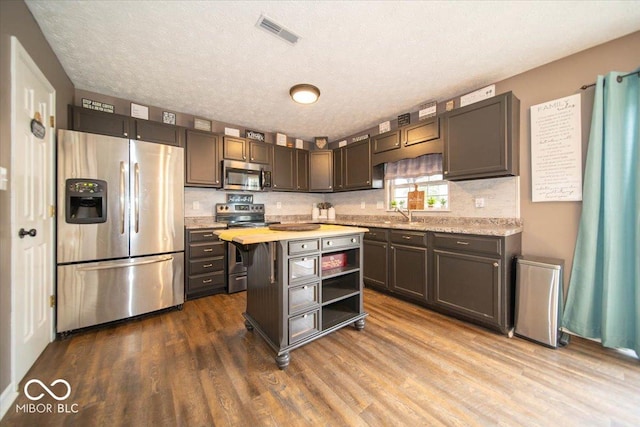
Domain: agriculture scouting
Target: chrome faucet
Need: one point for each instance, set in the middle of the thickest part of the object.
(408, 215)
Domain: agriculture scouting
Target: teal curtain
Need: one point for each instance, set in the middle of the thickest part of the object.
(603, 301)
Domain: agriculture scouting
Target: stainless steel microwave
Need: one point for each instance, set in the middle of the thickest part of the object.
(245, 176)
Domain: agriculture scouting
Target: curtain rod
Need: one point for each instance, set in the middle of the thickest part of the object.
(618, 79)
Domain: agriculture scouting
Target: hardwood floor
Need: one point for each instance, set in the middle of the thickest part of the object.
(409, 366)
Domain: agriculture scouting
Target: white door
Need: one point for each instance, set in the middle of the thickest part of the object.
(32, 183)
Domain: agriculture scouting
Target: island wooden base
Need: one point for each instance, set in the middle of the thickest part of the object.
(283, 356)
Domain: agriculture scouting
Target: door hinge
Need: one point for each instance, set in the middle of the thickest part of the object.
(52, 301)
(52, 211)
(52, 121)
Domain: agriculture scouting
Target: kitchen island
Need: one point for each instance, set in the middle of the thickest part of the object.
(301, 285)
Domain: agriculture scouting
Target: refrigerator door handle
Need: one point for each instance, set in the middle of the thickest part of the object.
(122, 189)
(136, 196)
(105, 266)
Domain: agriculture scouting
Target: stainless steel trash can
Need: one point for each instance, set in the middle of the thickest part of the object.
(539, 300)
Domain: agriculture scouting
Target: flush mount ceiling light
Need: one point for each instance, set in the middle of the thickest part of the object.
(304, 93)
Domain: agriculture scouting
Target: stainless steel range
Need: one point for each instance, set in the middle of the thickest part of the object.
(237, 215)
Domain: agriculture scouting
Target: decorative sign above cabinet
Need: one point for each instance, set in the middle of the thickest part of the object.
(98, 106)
(404, 119)
(360, 138)
(252, 134)
(202, 124)
(139, 111)
(239, 198)
(427, 110)
(321, 141)
(168, 118)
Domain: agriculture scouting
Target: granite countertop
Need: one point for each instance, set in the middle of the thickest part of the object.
(202, 222)
(479, 226)
(482, 229)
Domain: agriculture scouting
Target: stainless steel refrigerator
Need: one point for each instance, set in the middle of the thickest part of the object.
(120, 228)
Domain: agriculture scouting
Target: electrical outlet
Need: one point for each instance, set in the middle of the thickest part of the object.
(479, 202)
(363, 205)
(380, 205)
(3, 179)
(196, 205)
(278, 205)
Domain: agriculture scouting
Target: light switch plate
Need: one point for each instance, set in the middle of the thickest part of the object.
(479, 202)
(363, 205)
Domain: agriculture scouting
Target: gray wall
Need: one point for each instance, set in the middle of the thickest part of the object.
(16, 20)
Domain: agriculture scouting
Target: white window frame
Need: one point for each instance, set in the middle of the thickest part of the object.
(432, 186)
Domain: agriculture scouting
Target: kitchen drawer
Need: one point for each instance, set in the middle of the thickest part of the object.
(207, 250)
(207, 265)
(340, 242)
(206, 281)
(377, 234)
(304, 269)
(303, 326)
(304, 246)
(468, 243)
(304, 297)
(205, 235)
(411, 238)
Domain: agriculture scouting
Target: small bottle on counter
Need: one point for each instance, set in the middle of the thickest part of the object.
(332, 213)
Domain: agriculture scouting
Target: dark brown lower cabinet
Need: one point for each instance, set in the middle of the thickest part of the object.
(473, 278)
(205, 261)
(376, 258)
(409, 271)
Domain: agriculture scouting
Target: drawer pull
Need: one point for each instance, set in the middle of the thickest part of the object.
(304, 246)
(329, 243)
(406, 237)
(304, 287)
(207, 235)
(462, 243)
(373, 234)
(207, 281)
(354, 240)
(207, 266)
(303, 259)
(208, 250)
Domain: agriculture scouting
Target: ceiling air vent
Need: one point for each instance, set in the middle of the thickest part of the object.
(277, 30)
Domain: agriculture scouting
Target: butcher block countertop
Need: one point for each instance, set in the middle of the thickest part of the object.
(249, 236)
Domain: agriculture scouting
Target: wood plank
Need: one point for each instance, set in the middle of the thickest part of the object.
(200, 366)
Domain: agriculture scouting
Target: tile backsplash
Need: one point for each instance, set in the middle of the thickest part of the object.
(501, 200)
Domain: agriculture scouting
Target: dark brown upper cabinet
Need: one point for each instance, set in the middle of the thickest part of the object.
(387, 141)
(260, 152)
(482, 140)
(408, 142)
(86, 120)
(338, 169)
(235, 148)
(302, 170)
(321, 171)
(358, 172)
(283, 170)
(161, 133)
(203, 155)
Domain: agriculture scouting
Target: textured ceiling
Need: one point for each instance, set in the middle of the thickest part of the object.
(371, 60)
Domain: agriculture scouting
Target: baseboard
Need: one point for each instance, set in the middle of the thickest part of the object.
(7, 398)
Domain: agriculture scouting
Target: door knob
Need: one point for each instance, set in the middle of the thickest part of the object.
(24, 232)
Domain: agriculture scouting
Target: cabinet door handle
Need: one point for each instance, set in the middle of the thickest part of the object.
(446, 172)
(304, 287)
(406, 237)
(207, 235)
(208, 250)
(207, 281)
(373, 234)
(126, 134)
(139, 137)
(462, 243)
(207, 266)
(495, 264)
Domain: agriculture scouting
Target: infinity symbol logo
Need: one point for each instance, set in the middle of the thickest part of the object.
(47, 389)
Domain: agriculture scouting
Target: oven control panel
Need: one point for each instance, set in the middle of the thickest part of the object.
(239, 208)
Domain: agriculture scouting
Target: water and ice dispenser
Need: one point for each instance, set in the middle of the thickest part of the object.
(86, 201)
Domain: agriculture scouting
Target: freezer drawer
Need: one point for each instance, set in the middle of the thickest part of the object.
(99, 292)
(539, 299)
